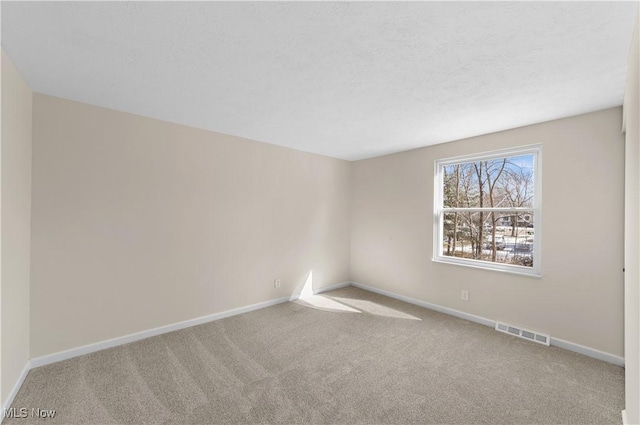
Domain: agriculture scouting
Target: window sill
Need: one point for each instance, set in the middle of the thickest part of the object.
(484, 265)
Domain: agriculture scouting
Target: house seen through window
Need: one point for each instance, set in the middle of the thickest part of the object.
(487, 210)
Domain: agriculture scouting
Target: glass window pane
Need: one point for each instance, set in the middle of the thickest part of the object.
(504, 237)
(501, 183)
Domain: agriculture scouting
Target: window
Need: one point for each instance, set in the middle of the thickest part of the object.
(487, 210)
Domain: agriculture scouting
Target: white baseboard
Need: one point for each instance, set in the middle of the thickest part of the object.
(588, 351)
(91, 348)
(323, 289)
(624, 418)
(331, 287)
(435, 307)
(114, 342)
(560, 343)
(12, 395)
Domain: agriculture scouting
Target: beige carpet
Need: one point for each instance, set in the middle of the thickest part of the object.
(344, 357)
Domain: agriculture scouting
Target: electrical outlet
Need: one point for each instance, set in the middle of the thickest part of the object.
(276, 283)
(465, 295)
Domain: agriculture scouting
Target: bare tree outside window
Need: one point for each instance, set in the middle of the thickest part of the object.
(487, 209)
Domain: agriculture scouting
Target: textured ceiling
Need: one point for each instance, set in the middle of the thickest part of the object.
(348, 80)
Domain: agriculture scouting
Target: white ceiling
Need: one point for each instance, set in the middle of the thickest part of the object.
(347, 80)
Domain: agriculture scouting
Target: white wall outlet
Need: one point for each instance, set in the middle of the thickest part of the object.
(465, 295)
(276, 283)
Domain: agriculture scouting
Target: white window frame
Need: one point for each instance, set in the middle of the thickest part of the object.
(439, 211)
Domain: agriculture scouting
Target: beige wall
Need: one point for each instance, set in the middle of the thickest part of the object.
(15, 224)
(580, 296)
(139, 223)
(632, 235)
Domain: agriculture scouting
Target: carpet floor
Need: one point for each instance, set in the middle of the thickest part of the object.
(343, 357)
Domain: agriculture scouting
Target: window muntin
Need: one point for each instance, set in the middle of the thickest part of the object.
(487, 210)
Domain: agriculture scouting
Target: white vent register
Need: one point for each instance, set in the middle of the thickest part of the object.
(523, 333)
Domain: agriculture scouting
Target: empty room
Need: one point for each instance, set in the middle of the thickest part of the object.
(320, 213)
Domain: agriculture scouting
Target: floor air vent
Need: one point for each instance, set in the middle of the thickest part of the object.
(523, 333)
